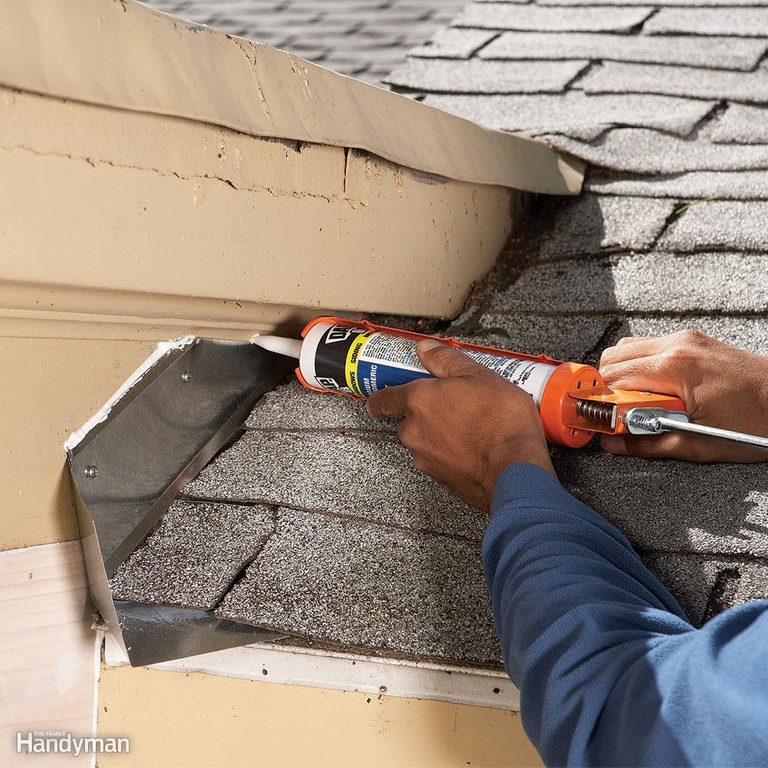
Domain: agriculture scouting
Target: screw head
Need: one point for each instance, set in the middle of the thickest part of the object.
(186, 377)
(91, 471)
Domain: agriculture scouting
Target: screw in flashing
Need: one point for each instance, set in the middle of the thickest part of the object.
(186, 377)
(91, 471)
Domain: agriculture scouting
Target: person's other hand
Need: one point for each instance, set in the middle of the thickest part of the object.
(464, 426)
(721, 386)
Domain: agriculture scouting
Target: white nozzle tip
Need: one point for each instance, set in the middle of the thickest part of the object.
(279, 345)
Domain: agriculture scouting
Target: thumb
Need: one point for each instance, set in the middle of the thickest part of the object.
(442, 361)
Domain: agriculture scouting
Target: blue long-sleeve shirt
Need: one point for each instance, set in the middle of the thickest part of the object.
(610, 671)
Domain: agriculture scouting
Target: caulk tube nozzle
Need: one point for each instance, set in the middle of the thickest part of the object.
(279, 345)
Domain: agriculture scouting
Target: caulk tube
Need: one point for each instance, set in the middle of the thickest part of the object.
(358, 358)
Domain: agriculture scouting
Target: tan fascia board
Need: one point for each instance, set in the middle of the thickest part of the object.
(107, 212)
(126, 55)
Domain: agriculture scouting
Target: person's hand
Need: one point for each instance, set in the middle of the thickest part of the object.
(464, 426)
(721, 386)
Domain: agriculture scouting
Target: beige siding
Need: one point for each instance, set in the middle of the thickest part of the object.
(191, 720)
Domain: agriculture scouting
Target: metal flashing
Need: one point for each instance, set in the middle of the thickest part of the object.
(127, 466)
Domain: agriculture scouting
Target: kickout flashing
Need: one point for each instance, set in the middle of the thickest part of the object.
(129, 463)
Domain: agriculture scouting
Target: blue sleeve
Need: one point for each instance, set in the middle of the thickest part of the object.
(609, 669)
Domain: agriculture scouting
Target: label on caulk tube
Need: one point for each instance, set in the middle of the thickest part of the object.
(360, 362)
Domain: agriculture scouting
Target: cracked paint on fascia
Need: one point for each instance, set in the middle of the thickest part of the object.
(248, 188)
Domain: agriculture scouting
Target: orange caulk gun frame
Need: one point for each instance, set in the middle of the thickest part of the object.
(575, 402)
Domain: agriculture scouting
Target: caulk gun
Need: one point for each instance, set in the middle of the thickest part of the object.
(358, 358)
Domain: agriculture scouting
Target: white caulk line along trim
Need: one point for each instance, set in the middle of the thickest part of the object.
(163, 349)
(345, 672)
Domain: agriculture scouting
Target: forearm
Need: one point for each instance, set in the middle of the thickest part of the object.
(574, 605)
(610, 671)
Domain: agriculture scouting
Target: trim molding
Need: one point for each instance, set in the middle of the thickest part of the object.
(345, 672)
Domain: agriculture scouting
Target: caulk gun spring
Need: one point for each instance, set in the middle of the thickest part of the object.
(603, 413)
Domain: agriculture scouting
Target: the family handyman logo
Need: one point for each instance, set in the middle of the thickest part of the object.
(59, 742)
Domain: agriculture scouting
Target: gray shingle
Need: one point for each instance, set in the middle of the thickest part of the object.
(749, 22)
(577, 114)
(347, 35)
(365, 586)
(617, 77)
(363, 476)
(534, 335)
(719, 52)
(675, 505)
(746, 332)
(291, 407)
(741, 125)
(454, 43)
(719, 282)
(638, 150)
(741, 185)
(705, 586)
(474, 76)
(538, 19)
(592, 224)
(194, 555)
(681, 3)
(718, 225)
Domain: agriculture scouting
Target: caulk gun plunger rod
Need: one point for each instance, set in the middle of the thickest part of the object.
(652, 421)
(280, 345)
(670, 425)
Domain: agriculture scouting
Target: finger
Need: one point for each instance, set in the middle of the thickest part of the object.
(665, 445)
(684, 447)
(645, 374)
(442, 361)
(631, 347)
(388, 403)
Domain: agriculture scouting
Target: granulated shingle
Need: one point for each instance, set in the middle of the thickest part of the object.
(748, 22)
(674, 505)
(474, 76)
(365, 476)
(749, 333)
(590, 224)
(454, 44)
(681, 3)
(537, 335)
(637, 150)
(355, 37)
(706, 586)
(618, 77)
(717, 282)
(718, 225)
(293, 407)
(718, 53)
(724, 185)
(577, 114)
(535, 18)
(193, 556)
(361, 585)
(741, 125)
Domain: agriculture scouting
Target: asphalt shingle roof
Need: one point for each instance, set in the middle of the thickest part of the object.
(363, 38)
(665, 101)
(575, 114)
